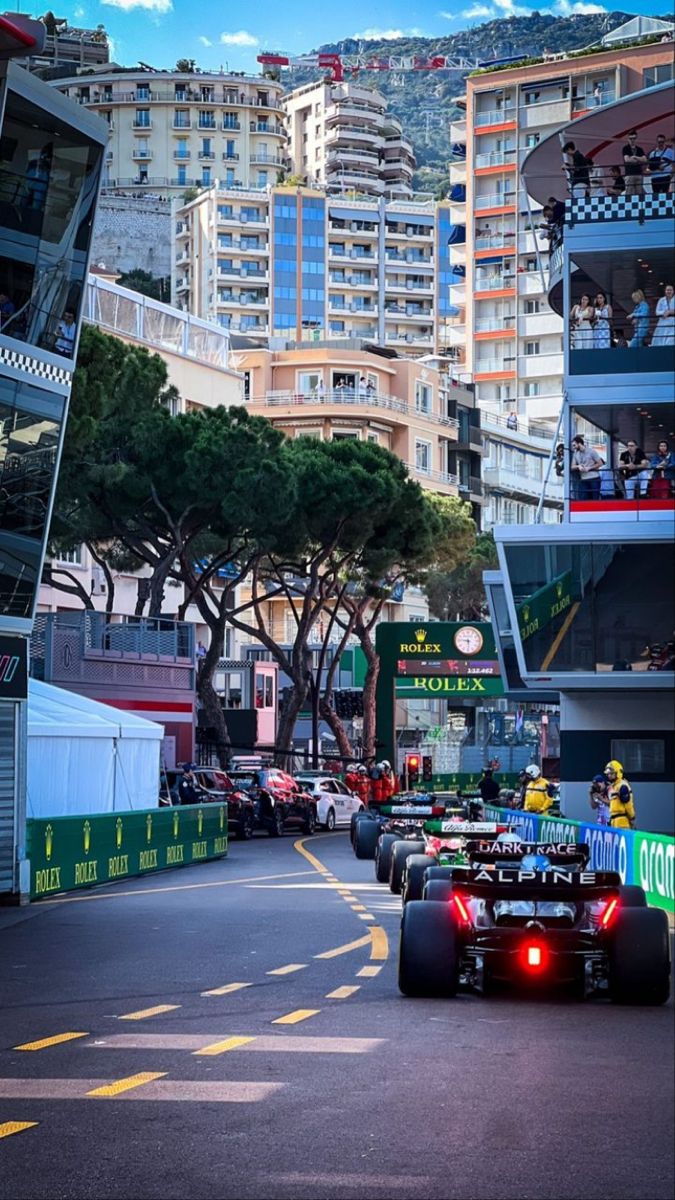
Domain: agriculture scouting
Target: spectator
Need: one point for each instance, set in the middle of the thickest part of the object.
(663, 468)
(558, 209)
(371, 389)
(607, 483)
(620, 340)
(512, 421)
(661, 160)
(488, 786)
(538, 791)
(635, 161)
(634, 470)
(597, 95)
(189, 791)
(201, 650)
(616, 185)
(582, 317)
(597, 795)
(65, 334)
(577, 168)
(640, 318)
(602, 329)
(620, 797)
(363, 385)
(559, 460)
(664, 334)
(7, 309)
(320, 389)
(586, 465)
(38, 171)
(597, 178)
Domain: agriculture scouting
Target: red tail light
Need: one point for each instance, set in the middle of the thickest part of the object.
(609, 912)
(534, 957)
(462, 910)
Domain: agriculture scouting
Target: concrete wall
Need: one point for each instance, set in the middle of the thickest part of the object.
(131, 233)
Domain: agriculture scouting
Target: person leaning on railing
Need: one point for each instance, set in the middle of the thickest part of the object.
(663, 472)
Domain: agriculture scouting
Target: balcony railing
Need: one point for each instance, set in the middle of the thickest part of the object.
(443, 477)
(495, 283)
(495, 200)
(496, 158)
(494, 116)
(350, 397)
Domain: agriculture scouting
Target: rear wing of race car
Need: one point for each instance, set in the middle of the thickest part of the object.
(559, 854)
(412, 810)
(449, 828)
(507, 883)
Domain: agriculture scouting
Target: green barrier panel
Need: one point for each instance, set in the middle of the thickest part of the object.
(653, 862)
(74, 852)
(450, 782)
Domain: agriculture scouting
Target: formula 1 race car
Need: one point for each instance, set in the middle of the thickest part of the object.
(531, 913)
(401, 820)
(442, 848)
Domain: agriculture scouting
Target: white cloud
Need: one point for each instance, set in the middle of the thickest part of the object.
(156, 6)
(79, 12)
(478, 10)
(204, 41)
(386, 35)
(510, 9)
(242, 38)
(448, 16)
(563, 8)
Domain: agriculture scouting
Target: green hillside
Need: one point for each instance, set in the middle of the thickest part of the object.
(423, 101)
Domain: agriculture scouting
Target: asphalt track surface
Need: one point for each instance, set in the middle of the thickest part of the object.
(359, 1094)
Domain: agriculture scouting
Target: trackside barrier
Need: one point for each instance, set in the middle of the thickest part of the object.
(67, 853)
(647, 859)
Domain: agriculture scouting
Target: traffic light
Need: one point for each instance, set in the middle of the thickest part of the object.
(348, 703)
(412, 768)
(427, 768)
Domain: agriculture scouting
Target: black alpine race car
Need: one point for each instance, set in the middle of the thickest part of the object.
(394, 832)
(531, 913)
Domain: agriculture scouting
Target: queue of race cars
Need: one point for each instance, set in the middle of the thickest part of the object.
(482, 907)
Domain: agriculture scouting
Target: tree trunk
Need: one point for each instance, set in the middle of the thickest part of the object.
(329, 715)
(210, 702)
(369, 691)
(295, 699)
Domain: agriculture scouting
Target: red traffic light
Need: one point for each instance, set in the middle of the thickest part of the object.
(413, 760)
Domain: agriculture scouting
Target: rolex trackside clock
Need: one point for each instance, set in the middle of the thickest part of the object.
(468, 639)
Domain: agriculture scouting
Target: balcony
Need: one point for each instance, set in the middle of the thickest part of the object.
(271, 130)
(407, 285)
(494, 283)
(267, 160)
(231, 126)
(495, 158)
(533, 366)
(181, 155)
(141, 154)
(139, 126)
(181, 125)
(539, 324)
(524, 432)
(496, 241)
(495, 200)
(81, 649)
(230, 156)
(208, 155)
(494, 116)
(589, 100)
(495, 366)
(516, 482)
(446, 480)
(496, 324)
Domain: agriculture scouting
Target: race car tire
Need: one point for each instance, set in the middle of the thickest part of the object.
(400, 852)
(383, 856)
(365, 838)
(438, 889)
(413, 877)
(361, 815)
(428, 959)
(639, 957)
(329, 823)
(436, 872)
(631, 895)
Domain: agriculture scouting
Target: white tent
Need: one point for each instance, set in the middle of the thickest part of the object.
(87, 757)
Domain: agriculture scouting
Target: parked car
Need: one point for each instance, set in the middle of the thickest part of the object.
(335, 804)
(216, 786)
(280, 803)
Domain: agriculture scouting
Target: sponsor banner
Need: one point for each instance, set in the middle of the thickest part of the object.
(647, 859)
(653, 860)
(66, 853)
(544, 605)
(447, 685)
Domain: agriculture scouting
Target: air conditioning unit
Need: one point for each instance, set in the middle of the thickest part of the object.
(98, 584)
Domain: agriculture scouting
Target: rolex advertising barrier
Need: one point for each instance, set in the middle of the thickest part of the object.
(74, 852)
(647, 859)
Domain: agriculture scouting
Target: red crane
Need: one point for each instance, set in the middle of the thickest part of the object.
(340, 65)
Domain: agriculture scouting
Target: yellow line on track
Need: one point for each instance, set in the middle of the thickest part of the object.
(341, 993)
(58, 1038)
(358, 907)
(149, 1012)
(379, 948)
(380, 944)
(222, 1047)
(287, 970)
(125, 1085)
(300, 1014)
(7, 1128)
(368, 972)
(311, 858)
(363, 941)
(562, 632)
(226, 989)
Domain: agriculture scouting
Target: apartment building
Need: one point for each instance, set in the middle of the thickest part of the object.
(68, 48)
(172, 130)
(500, 325)
(296, 263)
(341, 138)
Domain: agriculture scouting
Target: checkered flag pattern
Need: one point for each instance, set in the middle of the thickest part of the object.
(619, 208)
(34, 366)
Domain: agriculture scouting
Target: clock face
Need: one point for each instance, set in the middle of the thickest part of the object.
(468, 639)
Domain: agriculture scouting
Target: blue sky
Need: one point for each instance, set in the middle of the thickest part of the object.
(160, 31)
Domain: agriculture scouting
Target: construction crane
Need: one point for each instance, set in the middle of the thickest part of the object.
(341, 65)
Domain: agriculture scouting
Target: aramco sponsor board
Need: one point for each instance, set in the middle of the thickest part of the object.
(74, 852)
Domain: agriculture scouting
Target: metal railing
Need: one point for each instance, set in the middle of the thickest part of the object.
(437, 476)
(494, 116)
(351, 397)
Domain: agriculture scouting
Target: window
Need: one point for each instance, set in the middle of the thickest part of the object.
(532, 97)
(532, 347)
(206, 150)
(262, 179)
(206, 176)
(422, 455)
(181, 150)
(643, 756)
(229, 176)
(308, 382)
(531, 264)
(531, 388)
(374, 437)
(182, 174)
(74, 557)
(531, 140)
(423, 396)
(344, 436)
(532, 306)
(181, 118)
(230, 151)
(142, 118)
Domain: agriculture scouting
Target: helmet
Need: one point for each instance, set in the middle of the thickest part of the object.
(385, 764)
(532, 771)
(350, 769)
(508, 836)
(536, 862)
(615, 766)
(361, 770)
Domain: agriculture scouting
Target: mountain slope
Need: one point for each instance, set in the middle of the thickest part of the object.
(423, 101)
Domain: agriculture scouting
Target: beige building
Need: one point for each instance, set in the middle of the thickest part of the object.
(341, 138)
(173, 130)
(295, 263)
(372, 395)
(505, 334)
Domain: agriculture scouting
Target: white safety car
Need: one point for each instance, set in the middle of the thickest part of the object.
(335, 804)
